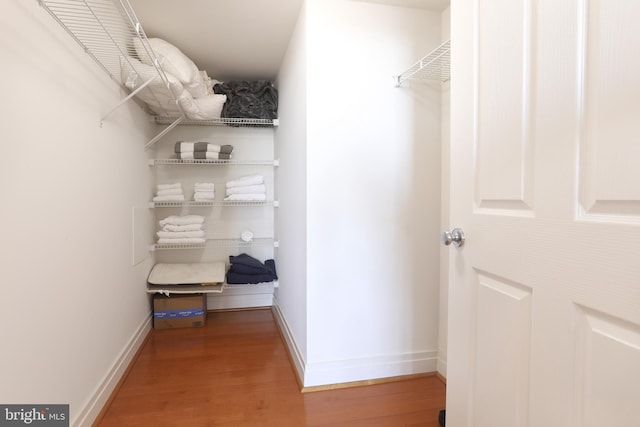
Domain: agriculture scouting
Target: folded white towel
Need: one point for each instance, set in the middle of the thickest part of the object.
(247, 197)
(247, 189)
(179, 234)
(169, 186)
(246, 180)
(188, 227)
(169, 198)
(169, 192)
(203, 199)
(187, 146)
(204, 186)
(182, 220)
(204, 193)
(183, 241)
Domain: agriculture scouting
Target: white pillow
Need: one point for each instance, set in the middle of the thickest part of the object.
(204, 108)
(174, 62)
(209, 107)
(156, 95)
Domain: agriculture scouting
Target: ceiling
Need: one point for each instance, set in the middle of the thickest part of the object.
(239, 39)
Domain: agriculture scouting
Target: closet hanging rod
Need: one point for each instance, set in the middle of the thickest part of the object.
(436, 65)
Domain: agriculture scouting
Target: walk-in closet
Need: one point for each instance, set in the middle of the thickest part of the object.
(344, 190)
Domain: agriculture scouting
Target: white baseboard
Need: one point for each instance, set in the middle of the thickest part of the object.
(294, 351)
(370, 368)
(442, 367)
(96, 402)
(354, 370)
(241, 296)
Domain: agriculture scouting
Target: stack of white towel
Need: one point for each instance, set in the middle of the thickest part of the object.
(247, 188)
(202, 151)
(169, 193)
(204, 191)
(182, 229)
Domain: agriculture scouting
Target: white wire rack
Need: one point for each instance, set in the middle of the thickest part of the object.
(217, 243)
(204, 162)
(106, 30)
(436, 65)
(238, 122)
(222, 203)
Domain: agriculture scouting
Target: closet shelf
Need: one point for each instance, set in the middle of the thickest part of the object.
(155, 162)
(218, 243)
(237, 122)
(436, 65)
(185, 289)
(208, 289)
(194, 204)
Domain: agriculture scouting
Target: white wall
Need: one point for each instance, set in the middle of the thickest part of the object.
(291, 184)
(373, 193)
(73, 307)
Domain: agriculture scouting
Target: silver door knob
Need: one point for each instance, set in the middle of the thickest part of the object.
(455, 236)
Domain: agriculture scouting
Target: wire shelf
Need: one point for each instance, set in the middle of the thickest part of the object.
(195, 204)
(238, 122)
(436, 65)
(155, 162)
(218, 243)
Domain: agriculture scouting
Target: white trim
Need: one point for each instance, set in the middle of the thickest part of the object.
(353, 370)
(242, 296)
(229, 302)
(442, 366)
(88, 414)
(294, 351)
(369, 368)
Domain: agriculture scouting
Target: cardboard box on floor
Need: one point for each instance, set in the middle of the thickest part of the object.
(179, 311)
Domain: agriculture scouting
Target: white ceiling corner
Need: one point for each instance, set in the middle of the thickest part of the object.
(239, 39)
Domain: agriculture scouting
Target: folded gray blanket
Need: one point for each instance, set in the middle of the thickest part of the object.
(254, 99)
(203, 155)
(202, 146)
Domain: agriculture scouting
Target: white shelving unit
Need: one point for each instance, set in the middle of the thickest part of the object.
(436, 65)
(106, 31)
(195, 170)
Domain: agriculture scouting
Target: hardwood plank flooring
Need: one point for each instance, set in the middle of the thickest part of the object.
(235, 371)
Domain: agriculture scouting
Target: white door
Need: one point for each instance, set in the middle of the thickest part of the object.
(544, 297)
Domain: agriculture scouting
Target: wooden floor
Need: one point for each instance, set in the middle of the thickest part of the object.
(235, 372)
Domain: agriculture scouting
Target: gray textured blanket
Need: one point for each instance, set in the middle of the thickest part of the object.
(255, 99)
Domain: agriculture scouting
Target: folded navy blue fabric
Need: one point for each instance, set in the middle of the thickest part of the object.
(244, 279)
(271, 265)
(244, 259)
(245, 270)
(246, 264)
